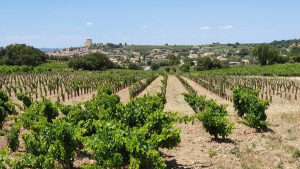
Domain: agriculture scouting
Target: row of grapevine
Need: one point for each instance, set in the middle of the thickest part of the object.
(164, 83)
(268, 87)
(186, 85)
(214, 117)
(66, 85)
(136, 88)
(114, 135)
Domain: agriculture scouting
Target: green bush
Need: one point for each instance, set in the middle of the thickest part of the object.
(93, 61)
(242, 99)
(52, 141)
(48, 109)
(6, 107)
(198, 103)
(215, 121)
(131, 134)
(213, 116)
(250, 107)
(117, 135)
(12, 138)
(27, 101)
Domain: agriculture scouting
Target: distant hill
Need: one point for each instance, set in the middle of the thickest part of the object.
(285, 43)
(49, 49)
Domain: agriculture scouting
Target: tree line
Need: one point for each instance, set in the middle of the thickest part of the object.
(21, 54)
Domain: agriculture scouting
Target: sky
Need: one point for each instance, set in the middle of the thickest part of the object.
(66, 23)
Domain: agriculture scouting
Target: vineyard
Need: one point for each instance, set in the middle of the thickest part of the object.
(146, 119)
(60, 87)
(285, 70)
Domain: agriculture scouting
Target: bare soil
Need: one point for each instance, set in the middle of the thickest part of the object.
(175, 99)
(153, 88)
(124, 95)
(245, 148)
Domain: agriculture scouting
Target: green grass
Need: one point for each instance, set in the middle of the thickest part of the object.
(290, 69)
(53, 65)
(48, 66)
(14, 69)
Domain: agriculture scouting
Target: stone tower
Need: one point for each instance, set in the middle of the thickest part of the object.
(88, 43)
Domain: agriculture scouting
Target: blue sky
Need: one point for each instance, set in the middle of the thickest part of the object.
(65, 23)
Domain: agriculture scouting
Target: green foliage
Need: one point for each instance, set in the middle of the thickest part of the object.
(163, 87)
(130, 134)
(13, 138)
(20, 54)
(56, 140)
(138, 87)
(93, 61)
(155, 66)
(174, 60)
(198, 103)
(215, 121)
(207, 63)
(27, 101)
(6, 107)
(214, 117)
(51, 65)
(185, 68)
(250, 107)
(294, 54)
(291, 69)
(267, 55)
(3, 158)
(4, 69)
(39, 112)
(48, 110)
(116, 135)
(190, 89)
(134, 66)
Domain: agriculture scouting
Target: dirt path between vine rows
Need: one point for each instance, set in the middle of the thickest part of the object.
(153, 88)
(175, 99)
(124, 95)
(210, 95)
(244, 149)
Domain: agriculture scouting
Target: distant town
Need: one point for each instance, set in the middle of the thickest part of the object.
(233, 54)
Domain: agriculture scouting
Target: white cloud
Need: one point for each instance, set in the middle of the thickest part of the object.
(22, 37)
(89, 24)
(205, 28)
(226, 27)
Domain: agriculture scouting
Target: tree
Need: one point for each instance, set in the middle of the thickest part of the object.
(267, 55)
(294, 54)
(93, 61)
(188, 61)
(174, 60)
(206, 63)
(20, 54)
(155, 66)
(185, 68)
(134, 66)
(244, 52)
